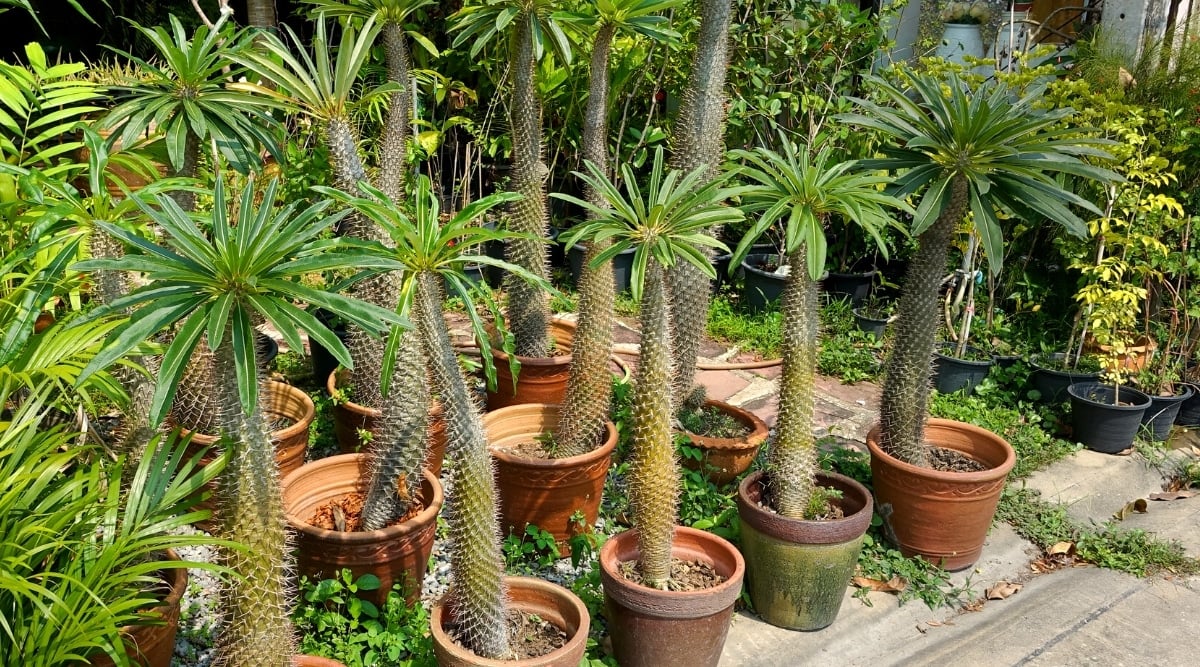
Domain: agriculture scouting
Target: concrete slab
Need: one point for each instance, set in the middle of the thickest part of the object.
(1093, 486)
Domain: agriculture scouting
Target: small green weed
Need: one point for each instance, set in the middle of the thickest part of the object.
(1026, 426)
(705, 506)
(759, 333)
(294, 367)
(532, 549)
(846, 352)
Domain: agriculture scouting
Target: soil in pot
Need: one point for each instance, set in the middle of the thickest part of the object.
(540, 379)
(952, 373)
(154, 645)
(653, 628)
(549, 614)
(1163, 410)
(728, 438)
(942, 516)
(396, 554)
(1105, 419)
(1053, 373)
(542, 491)
(797, 571)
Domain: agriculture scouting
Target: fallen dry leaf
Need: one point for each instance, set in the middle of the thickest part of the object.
(938, 624)
(974, 605)
(893, 585)
(1002, 590)
(1140, 506)
(1061, 548)
(1172, 495)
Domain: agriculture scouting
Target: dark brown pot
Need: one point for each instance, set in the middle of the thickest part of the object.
(396, 554)
(540, 379)
(797, 571)
(350, 417)
(291, 444)
(545, 492)
(653, 628)
(726, 458)
(533, 596)
(942, 516)
(153, 645)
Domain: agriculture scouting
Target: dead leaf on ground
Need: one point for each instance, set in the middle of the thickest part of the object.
(1172, 495)
(893, 585)
(938, 624)
(1059, 548)
(974, 605)
(1140, 506)
(1002, 590)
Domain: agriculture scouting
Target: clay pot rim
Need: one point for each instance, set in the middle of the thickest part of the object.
(830, 531)
(176, 578)
(1077, 391)
(331, 385)
(700, 601)
(299, 423)
(314, 661)
(757, 435)
(977, 433)
(414, 524)
(605, 449)
(531, 583)
(557, 326)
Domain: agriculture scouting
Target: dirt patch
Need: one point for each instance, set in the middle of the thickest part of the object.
(711, 422)
(686, 575)
(949, 460)
(345, 514)
(530, 636)
(530, 449)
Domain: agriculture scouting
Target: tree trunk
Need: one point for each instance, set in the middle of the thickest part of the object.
(793, 455)
(261, 14)
(393, 145)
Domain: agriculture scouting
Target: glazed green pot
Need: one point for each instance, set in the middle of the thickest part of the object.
(797, 571)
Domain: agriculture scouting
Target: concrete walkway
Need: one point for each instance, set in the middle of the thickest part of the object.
(1071, 616)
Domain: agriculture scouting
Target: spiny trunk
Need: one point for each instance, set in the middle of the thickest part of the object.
(698, 139)
(261, 13)
(196, 407)
(477, 596)
(528, 305)
(255, 604)
(589, 386)
(654, 472)
(793, 456)
(903, 405)
(393, 145)
(399, 446)
(189, 169)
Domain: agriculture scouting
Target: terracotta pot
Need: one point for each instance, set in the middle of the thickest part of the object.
(314, 661)
(396, 554)
(279, 401)
(153, 645)
(540, 379)
(726, 458)
(1135, 357)
(552, 603)
(350, 417)
(797, 571)
(545, 492)
(942, 516)
(653, 628)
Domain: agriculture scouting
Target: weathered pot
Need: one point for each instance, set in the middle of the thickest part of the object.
(545, 492)
(1102, 424)
(552, 603)
(653, 628)
(942, 516)
(1163, 410)
(350, 417)
(797, 571)
(153, 645)
(541, 379)
(279, 401)
(396, 554)
(1134, 358)
(726, 458)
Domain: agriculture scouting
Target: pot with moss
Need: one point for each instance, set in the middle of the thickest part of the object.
(727, 436)
(937, 483)
(802, 529)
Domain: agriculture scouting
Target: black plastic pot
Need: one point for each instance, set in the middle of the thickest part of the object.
(1189, 409)
(323, 361)
(622, 266)
(1162, 412)
(721, 263)
(951, 374)
(871, 325)
(1052, 384)
(855, 286)
(1099, 424)
(761, 288)
(1005, 360)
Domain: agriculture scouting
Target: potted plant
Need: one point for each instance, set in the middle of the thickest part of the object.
(432, 252)
(650, 623)
(802, 530)
(1007, 150)
(873, 315)
(218, 286)
(962, 32)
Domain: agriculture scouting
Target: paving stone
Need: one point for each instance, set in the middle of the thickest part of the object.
(721, 385)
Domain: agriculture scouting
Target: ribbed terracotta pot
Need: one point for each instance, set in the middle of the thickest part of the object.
(153, 645)
(797, 571)
(350, 417)
(314, 661)
(551, 602)
(653, 628)
(726, 458)
(540, 379)
(396, 554)
(279, 401)
(942, 516)
(545, 492)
